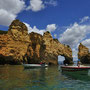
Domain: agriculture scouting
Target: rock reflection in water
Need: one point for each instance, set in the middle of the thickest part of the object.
(18, 78)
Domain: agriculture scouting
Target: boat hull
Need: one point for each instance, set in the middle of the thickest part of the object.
(75, 68)
(75, 72)
(35, 65)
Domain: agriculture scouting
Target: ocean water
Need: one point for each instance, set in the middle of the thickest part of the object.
(18, 78)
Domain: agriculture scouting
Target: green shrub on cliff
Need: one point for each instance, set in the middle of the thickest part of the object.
(3, 32)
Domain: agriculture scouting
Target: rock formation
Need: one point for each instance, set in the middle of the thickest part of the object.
(13, 45)
(83, 54)
(17, 46)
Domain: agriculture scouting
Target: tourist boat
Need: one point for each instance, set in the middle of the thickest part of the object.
(35, 65)
(75, 68)
(75, 72)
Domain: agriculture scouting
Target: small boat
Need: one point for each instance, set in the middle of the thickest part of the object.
(75, 72)
(35, 65)
(75, 68)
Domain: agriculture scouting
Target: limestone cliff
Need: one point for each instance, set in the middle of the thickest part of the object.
(13, 46)
(83, 54)
(35, 48)
(53, 48)
(18, 46)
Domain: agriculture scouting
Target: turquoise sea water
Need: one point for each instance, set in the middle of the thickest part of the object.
(18, 78)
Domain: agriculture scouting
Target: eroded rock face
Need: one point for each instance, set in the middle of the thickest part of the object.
(13, 46)
(18, 31)
(46, 49)
(55, 48)
(35, 48)
(83, 54)
(18, 46)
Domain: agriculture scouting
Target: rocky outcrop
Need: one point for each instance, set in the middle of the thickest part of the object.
(13, 46)
(35, 48)
(18, 46)
(53, 48)
(83, 54)
(46, 49)
(18, 31)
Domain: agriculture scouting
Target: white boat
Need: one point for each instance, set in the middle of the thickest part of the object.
(75, 68)
(35, 65)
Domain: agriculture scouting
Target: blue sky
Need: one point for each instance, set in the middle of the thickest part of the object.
(67, 20)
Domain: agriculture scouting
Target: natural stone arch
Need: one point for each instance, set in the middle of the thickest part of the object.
(54, 48)
(61, 59)
(49, 49)
(31, 48)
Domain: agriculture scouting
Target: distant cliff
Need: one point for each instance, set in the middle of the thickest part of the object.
(83, 54)
(17, 46)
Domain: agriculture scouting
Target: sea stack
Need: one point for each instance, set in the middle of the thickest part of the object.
(83, 54)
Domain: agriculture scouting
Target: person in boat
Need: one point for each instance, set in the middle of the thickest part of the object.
(66, 64)
(78, 63)
(41, 62)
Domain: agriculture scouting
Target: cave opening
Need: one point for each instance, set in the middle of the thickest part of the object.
(61, 59)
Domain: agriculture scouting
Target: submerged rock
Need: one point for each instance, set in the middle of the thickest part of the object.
(17, 46)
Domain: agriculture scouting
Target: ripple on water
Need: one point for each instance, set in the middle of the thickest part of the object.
(17, 78)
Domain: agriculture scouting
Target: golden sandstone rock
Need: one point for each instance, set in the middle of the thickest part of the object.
(17, 46)
(83, 54)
